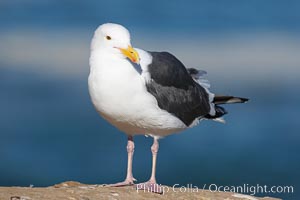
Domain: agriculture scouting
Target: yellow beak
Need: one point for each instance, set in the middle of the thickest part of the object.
(131, 54)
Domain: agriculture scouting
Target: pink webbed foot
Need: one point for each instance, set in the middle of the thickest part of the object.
(127, 182)
(150, 187)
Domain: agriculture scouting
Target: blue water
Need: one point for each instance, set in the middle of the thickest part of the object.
(50, 132)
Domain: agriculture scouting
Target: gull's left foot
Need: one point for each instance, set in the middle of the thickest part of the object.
(127, 182)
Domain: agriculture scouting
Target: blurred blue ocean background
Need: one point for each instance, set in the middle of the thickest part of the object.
(50, 132)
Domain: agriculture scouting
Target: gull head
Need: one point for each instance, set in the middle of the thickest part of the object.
(114, 39)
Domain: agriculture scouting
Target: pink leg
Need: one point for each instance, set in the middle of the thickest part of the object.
(129, 178)
(151, 185)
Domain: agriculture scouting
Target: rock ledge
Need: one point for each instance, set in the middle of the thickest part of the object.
(77, 191)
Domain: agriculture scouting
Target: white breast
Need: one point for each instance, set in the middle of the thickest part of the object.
(119, 94)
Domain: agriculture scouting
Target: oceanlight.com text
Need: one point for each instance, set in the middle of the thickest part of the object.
(250, 189)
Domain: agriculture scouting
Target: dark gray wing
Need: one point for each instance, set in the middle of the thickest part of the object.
(175, 89)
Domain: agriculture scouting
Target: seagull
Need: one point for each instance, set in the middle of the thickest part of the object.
(147, 93)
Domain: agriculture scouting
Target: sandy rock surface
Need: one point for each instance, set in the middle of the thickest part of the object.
(77, 191)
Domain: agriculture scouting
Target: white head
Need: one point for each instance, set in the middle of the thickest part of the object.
(115, 40)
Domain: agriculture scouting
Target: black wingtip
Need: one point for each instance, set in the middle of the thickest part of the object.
(221, 99)
(220, 111)
(243, 100)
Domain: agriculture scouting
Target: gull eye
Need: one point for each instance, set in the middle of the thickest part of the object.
(108, 37)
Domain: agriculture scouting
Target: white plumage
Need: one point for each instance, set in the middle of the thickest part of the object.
(118, 90)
